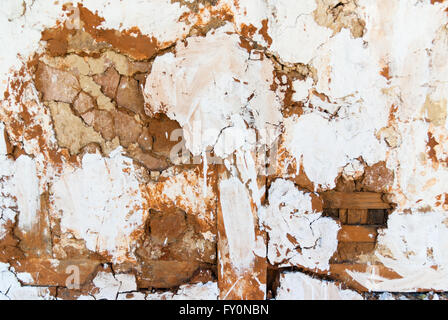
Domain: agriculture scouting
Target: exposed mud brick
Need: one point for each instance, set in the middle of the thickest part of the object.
(357, 216)
(141, 78)
(56, 41)
(357, 234)
(126, 128)
(353, 200)
(378, 178)
(334, 213)
(108, 81)
(80, 41)
(139, 69)
(185, 188)
(129, 95)
(83, 103)
(56, 85)
(165, 274)
(203, 275)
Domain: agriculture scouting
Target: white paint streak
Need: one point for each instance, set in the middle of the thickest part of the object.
(101, 203)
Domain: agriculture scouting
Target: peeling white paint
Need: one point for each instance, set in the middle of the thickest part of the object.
(101, 203)
(298, 235)
(238, 222)
(156, 18)
(288, 23)
(299, 286)
(198, 291)
(236, 94)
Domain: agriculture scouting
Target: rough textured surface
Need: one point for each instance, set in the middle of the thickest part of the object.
(223, 149)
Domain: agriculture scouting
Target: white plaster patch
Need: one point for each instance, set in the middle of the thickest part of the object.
(26, 188)
(296, 37)
(297, 234)
(107, 286)
(301, 89)
(413, 246)
(197, 291)
(238, 223)
(186, 191)
(101, 203)
(299, 286)
(328, 145)
(235, 93)
(11, 289)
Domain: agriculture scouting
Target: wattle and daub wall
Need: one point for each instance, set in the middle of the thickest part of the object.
(223, 149)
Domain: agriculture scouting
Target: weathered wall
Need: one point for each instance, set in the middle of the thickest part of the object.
(218, 149)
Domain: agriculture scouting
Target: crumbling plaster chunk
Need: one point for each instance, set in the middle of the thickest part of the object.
(238, 223)
(101, 203)
(23, 41)
(11, 289)
(418, 181)
(298, 234)
(413, 245)
(401, 36)
(108, 286)
(299, 286)
(328, 145)
(56, 85)
(203, 102)
(197, 291)
(157, 18)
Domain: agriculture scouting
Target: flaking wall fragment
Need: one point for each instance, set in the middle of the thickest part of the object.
(223, 149)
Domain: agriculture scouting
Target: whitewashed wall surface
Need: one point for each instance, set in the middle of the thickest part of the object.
(224, 149)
